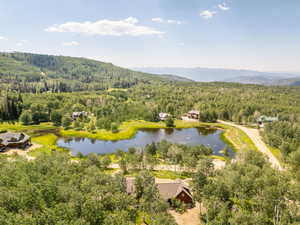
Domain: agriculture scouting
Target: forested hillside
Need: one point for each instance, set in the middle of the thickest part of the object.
(41, 73)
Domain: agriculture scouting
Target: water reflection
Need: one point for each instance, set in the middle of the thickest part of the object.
(191, 136)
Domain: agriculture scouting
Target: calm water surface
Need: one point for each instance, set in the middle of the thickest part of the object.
(190, 136)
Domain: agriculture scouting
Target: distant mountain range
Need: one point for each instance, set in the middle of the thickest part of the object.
(266, 80)
(227, 75)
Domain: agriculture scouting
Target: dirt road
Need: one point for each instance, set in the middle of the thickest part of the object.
(259, 143)
(190, 217)
(218, 164)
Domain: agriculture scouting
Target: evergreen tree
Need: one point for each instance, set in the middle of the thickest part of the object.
(25, 118)
(66, 121)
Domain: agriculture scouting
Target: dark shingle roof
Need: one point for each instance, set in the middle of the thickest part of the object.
(8, 138)
(166, 190)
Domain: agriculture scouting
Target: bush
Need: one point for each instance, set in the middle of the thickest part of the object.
(55, 118)
(114, 128)
(178, 205)
(66, 121)
(169, 122)
(26, 118)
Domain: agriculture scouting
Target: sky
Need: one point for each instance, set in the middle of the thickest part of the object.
(238, 34)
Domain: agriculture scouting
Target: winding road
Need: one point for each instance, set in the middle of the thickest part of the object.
(254, 135)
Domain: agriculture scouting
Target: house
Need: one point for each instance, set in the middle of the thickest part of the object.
(163, 116)
(266, 119)
(76, 115)
(177, 191)
(14, 140)
(193, 114)
(168, 191)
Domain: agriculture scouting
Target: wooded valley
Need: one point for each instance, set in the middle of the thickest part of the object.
(50, 190)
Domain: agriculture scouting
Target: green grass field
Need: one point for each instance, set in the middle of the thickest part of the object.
(276, 152)
(22, 128)
(48, 145)
(236, 138)
(128, 129)
(162, 174)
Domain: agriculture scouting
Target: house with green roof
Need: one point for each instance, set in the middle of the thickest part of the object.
(266, 119)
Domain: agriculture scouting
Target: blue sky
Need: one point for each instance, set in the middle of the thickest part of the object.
(240, 34)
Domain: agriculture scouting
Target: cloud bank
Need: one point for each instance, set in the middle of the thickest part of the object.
(126, 27)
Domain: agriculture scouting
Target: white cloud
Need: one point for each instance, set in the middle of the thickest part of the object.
(207, 14)
(158, 20)
(223, 7)
(3, 38)
(71, 43)
(181, 43)
(175, 22)
(106, 27)
(22, 42)
(161, 20)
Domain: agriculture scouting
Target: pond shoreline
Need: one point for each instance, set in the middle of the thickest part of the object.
(206, 136)
(128, 130)
(235, 138)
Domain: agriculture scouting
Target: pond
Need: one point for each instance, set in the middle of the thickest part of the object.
(190, 136)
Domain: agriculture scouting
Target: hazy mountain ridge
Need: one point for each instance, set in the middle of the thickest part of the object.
(228, 75)
(266, 80)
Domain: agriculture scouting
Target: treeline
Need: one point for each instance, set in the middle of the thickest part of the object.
(184, 156)
(284, 135)
(11, 106)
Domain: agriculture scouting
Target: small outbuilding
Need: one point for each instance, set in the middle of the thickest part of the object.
(14, 140)
(76, 115)
(163, 116)
(193, 114)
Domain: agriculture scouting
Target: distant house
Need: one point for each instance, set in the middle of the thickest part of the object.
(14, 140)
(266, 119)
(193, 114)
(168, 191)
(163, 116)
(76, 115)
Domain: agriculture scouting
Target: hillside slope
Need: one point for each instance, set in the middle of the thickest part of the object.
(38, 73)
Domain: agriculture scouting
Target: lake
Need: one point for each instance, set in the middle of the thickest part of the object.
(190, 136)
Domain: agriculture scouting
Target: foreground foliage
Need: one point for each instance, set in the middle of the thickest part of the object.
(247, 192)
(54, 190)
